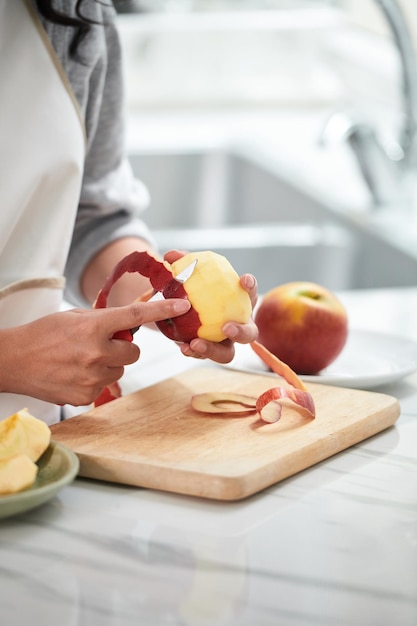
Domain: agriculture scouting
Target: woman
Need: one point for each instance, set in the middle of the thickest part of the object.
(70, 207)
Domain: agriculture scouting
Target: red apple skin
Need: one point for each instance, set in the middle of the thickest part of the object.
(184, 327)
(303, 324)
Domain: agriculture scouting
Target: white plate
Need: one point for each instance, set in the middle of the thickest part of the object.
(368, 360)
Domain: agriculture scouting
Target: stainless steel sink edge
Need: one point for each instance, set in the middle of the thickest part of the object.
(224, 200)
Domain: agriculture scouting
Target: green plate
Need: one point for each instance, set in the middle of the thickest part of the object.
(58, 466)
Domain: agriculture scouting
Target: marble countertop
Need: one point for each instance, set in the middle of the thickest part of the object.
(335, 544)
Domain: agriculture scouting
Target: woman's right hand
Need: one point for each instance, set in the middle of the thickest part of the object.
(70, 356)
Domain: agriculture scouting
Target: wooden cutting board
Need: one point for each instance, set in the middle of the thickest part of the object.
(154, 439)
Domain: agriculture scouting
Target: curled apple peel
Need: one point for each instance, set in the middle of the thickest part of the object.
(239, 404)
(296, 392)
(140, 262)
(302, 398)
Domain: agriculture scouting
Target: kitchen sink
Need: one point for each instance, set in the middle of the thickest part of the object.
(230, 203)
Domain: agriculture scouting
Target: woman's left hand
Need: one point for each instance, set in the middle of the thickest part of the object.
(224, 351)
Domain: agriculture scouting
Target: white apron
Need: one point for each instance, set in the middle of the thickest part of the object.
(41, 163)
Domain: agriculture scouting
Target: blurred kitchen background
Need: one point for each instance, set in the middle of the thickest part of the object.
(281, 133)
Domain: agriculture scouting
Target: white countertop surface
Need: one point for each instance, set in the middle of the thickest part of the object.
(336, 544)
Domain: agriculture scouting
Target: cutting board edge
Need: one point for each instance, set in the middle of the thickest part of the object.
(179, 481)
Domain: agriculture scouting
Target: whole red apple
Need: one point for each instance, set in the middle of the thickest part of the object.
(303, 324)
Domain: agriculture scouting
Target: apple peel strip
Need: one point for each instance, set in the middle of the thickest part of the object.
(277, 366)
(159, 275)
(140, 262)
(297, 392)
(239, 404)
(297, 396)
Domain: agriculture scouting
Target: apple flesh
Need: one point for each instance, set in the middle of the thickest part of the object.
(23, 439)
(215, 294)
(17, 473)
(21, 433)
(303, 324)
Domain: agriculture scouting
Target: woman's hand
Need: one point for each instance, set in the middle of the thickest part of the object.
(69, 357)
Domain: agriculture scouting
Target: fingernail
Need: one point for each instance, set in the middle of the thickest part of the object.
(198, 346)
(250, 281)
(181, 306)
(230, 330)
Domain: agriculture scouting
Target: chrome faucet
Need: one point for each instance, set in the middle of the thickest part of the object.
(385, 171)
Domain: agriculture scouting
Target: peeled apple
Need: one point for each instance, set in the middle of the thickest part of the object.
(215, 294)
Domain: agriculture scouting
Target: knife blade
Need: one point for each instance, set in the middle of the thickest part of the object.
(182, 277)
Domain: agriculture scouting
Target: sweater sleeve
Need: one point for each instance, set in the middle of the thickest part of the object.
(112, 199)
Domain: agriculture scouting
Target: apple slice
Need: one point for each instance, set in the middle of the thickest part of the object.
(37, 432)
(17, 473)
(21, 433)
(23, 439)
(13, 438)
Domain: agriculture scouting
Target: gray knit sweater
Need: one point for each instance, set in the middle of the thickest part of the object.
(111, 198)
